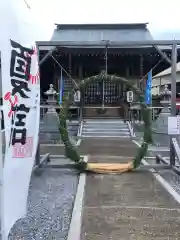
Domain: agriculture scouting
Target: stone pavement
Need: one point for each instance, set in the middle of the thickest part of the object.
(98, 146)
(130, 206)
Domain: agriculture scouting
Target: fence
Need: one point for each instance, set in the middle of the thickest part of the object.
(135, 113)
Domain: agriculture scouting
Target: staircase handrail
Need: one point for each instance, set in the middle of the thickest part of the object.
(176, 148)
(80, 129)
(130, 122)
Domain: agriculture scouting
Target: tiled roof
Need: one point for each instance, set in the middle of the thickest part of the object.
(101, 32)
(167, 71)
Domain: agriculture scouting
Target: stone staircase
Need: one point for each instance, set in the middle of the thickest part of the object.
(105, 128)
(109, 113)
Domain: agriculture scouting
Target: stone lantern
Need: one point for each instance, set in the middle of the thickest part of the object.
(51, 94)
(49, 128)
(161, 124)
(166, 98)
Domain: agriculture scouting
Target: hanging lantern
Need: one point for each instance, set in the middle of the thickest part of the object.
(77, 96)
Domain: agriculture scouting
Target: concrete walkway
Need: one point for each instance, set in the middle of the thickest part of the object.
(131, 206)
(97, 146)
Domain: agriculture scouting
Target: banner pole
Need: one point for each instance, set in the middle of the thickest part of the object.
(61, 87)
(1, 181)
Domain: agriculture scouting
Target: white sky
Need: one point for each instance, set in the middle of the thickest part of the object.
(163, 16)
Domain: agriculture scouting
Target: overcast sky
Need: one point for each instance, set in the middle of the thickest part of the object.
(163, 16)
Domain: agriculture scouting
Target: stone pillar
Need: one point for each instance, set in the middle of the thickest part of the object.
(49, 127)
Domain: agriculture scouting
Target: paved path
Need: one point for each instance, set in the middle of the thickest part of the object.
(100, 146)
(131, 206)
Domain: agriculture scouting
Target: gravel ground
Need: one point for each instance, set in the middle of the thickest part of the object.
(50, 204)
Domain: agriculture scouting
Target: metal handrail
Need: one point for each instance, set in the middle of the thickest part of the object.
(176, 148)
(130, 123)
(80, 129)
(56, 106)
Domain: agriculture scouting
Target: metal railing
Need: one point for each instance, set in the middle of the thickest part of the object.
(135, 113)
(44, 109)
(80, 129)
(177, 149)
(131, 123)
(175, 165)
(132, 117)
(155, 111)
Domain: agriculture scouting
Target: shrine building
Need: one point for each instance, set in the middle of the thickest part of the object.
(92, 54)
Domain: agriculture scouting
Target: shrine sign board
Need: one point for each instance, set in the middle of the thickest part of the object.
(174, 125)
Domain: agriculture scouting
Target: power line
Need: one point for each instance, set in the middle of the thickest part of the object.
(28, 6)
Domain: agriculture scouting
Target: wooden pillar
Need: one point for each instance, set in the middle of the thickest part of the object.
(141, 70)
(80, 71)
(124, 86)
(56, 77)
(141, 85)
(70, 64)
(141, 66)
(127, 72)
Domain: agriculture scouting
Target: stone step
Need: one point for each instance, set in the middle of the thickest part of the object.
(105, 123)
(103, 133)
(105, 129)
(111, 125)
(110, 112)
(108, 134)
(103, 120)
(101, 117)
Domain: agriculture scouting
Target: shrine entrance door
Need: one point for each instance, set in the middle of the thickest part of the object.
(103, 93)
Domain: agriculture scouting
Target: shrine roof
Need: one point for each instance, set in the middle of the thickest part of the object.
(101, 26)
(85, 35)
(101, 32)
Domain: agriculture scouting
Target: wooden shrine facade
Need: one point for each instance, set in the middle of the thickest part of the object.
(83, 61)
